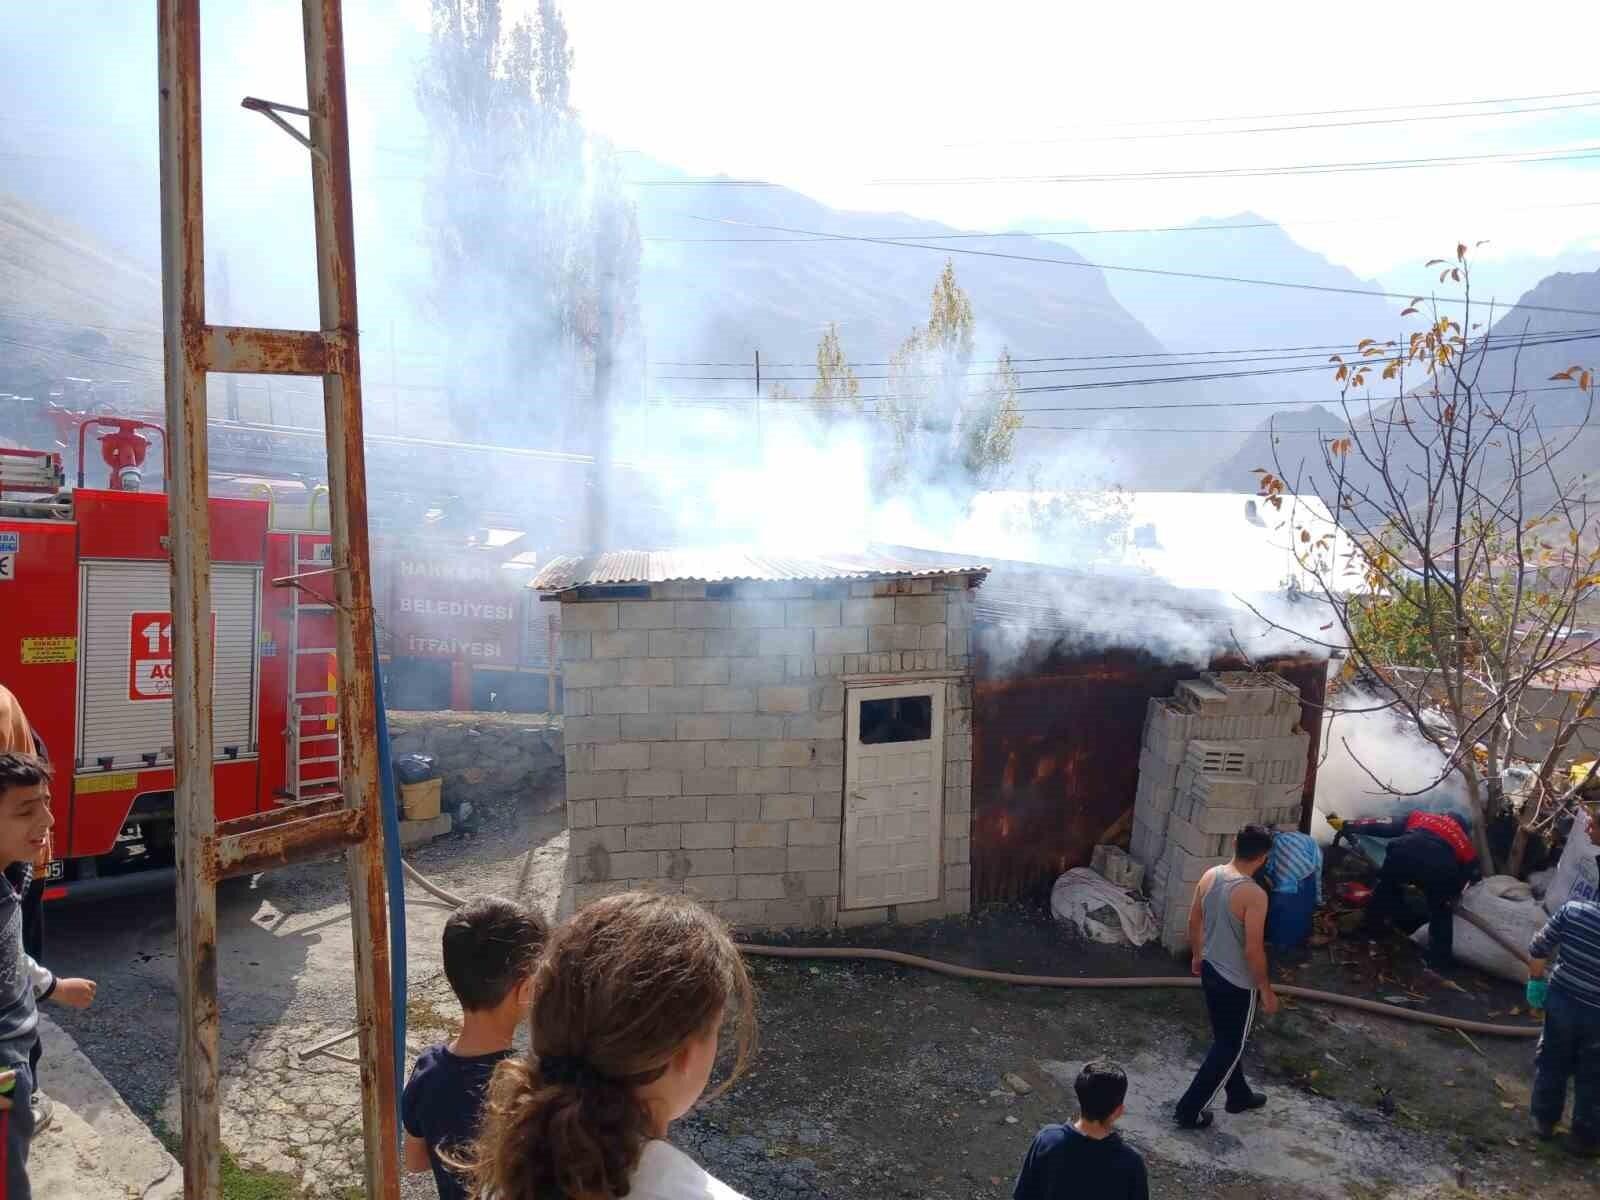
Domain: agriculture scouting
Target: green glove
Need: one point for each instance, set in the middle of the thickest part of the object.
(1538, 989)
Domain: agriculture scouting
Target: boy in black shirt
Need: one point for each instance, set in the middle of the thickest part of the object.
(1088, 1159)
(490, 948)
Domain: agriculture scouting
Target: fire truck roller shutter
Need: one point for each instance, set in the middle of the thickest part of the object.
(120, 668)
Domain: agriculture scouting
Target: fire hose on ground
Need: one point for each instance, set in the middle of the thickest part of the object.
(1091, 983)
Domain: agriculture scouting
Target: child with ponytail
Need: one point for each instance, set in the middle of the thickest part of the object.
(628, 1002)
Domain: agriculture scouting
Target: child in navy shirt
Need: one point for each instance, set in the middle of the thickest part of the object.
(490, 949)
(1088, 1159)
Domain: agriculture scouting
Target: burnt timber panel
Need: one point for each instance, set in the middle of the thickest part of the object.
(1055, 758)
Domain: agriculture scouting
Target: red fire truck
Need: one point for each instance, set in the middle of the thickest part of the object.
(86, 646)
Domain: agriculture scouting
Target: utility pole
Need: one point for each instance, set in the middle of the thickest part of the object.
(604, 354)
(352, 822)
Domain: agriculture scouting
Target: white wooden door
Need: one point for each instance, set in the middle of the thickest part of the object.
(893, 794)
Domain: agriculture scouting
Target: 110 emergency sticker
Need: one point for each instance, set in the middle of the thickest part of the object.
(150, 655)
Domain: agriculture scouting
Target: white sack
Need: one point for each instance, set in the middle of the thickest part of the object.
(1576, 873)
(1100, 910)
(1507, 905)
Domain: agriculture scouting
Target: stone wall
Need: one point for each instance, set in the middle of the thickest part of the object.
(705, 738)
(1224, 752)
(485, 758)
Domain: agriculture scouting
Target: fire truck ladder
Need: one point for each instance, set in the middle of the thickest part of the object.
(313, 727)
(350, 819)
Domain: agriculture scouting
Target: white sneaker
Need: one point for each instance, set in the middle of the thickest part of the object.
(44, 1111)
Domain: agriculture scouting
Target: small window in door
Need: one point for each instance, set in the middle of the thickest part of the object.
(902, 719)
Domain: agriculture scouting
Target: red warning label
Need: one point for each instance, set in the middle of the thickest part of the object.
(150, 655)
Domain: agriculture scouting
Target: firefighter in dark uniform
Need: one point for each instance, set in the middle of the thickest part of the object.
(1429, 849)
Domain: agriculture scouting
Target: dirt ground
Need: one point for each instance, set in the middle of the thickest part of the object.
(871, 1080)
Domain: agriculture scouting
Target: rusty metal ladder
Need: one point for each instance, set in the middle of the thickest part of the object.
(349, 822)
(313, 758)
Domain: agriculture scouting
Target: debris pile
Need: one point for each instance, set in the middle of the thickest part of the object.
(1225, 751)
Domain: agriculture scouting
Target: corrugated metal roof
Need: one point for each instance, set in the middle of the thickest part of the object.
(729, 565)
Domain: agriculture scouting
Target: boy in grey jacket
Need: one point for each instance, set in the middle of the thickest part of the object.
(24, 824)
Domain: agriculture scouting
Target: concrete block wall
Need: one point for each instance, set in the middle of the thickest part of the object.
(705, 738)
(1225, 751)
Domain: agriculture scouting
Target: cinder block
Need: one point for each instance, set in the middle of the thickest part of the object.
(792, 914)
(575, 703)
(645, 672)
(758, 614)
(1225, 823)
(707, 835)
(652, 837)
(868, 612)
(958, 877)
(708, 862)
(731, 643)
(710, 888)
(699, 729)
(676, 700)
(1190, 838)
(933, 637)
(620, 700)
(672, 809)
(593, 785)
(760, 833)
(672, 756)
(1216, 758)
(761, 887)
(958, 642)
(650, 728)
(920, 610)
(785, 642)
(754, 672)
(616, 810)
(848, 639)
(1283, 795)
(622, 756)
(733, 808)
(1225, 791)
(690, 672)
(575, 646)
(811, 614)
(674, 643)
(759, 860)
(758, 780)
(577, 730)
(885, 639)
(594, 617)
(830, 698)
(712, 781)
(624, 643)
(1201, 696)
(702, 614)
(799, 666)
(957, 850)
(580, 814)
(733, 754)
(665, 886)
(816, 726)
(722, 698)
(827, 806)
(1187, 868)
(786, 754)
(655, 783)
(813, 858)
(814, 779)
(814, 833)
(786, 808)
(645, 614)
(590, 673)
(784, 700)
(852, 918)
(587, 893)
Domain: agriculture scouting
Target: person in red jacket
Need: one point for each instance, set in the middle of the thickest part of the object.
(1435, 852)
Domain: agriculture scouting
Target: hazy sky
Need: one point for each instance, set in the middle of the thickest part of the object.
(834, 98)
(830, 96)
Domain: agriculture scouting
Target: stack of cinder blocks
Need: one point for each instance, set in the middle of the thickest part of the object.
(1224, 752)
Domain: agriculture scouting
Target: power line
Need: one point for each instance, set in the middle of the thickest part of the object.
(1330, 168)
(1077, 233)
(1084, 264)
(1319, 355)
(1345, 112)
(1142, 137)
